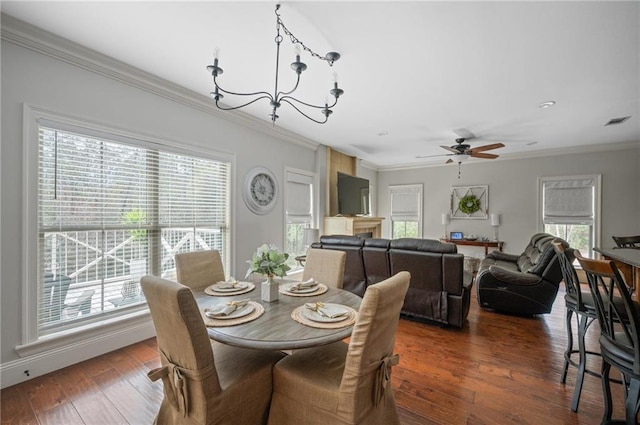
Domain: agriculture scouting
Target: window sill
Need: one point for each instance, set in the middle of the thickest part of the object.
(86, 334)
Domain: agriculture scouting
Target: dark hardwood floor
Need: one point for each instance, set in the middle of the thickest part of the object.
(497, 370)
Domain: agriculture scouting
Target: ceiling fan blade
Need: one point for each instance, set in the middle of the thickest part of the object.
(464, 133)
(434, 156)
(483, 155)
(487, 147)
(449, 148)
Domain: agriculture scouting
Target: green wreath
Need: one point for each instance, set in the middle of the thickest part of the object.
(469, 204)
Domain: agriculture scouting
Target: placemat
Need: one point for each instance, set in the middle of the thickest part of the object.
(259, 311)
(210, 291)
(300, 318)
(320, 290)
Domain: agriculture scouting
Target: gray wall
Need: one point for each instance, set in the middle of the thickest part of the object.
(34, 78)
(513, 193)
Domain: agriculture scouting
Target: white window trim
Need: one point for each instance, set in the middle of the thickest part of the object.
(597, 222)
(420, 208)
(31, 342)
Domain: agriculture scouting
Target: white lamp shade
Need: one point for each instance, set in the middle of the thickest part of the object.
(445, 219)
(495, 219)
(310, 236)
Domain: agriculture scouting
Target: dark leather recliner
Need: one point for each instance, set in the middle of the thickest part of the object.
(524, 284)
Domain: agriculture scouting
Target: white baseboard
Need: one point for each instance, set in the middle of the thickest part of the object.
(23, 369)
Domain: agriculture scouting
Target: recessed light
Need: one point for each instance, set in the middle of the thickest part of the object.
(383, 133)
(547, 104)
(531, 143)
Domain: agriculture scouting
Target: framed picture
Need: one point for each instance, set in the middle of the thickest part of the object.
(455, 235)
(470, 202)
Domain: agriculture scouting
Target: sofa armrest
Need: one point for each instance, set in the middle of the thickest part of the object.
(513, 277)
(499, 255)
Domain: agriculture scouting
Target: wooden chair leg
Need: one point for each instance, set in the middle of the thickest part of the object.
(567, 353)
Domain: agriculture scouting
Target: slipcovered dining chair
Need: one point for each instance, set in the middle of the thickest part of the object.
(578, 302)
(345, 384)
(326, 266)
(204, 383)
(619, 333)
(627, 241)
(199, 269)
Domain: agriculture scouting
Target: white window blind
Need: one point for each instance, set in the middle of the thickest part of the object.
(110, 212)
(569, 201)
(406, 202)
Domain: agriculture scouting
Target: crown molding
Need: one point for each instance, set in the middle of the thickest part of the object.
(602, 147)
(36, 39)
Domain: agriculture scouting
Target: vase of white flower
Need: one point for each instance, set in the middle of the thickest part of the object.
(269, 262)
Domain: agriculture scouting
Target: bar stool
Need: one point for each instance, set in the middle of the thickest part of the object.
(581, 304)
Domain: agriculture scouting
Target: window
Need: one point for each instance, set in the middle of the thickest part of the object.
(112, 209)
(298, 212)
(570, 210)
(406, 211)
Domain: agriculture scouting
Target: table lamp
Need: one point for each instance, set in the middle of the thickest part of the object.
(445, 221)
(495, 222)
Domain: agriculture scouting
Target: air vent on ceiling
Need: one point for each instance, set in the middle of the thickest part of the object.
(614, 121)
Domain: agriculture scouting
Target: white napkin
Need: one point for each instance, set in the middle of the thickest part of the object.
(229, 283)
(225, 309)
(303, 285)
(327, 311)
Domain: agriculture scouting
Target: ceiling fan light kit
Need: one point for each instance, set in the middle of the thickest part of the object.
(278, 97)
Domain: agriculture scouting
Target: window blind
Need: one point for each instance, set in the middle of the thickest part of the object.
(406, 202)
(569, 201)
(299, 198)
(110, 212)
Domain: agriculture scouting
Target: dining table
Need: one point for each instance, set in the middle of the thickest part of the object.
(628, 262)
(276, 329)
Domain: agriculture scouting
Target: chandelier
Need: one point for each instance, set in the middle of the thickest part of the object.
(279, 97)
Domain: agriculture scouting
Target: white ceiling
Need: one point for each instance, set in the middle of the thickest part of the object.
(413, 72)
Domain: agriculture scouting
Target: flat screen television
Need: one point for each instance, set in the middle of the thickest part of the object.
(353, 195)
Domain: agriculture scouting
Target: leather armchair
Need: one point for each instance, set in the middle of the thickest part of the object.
(523, 284)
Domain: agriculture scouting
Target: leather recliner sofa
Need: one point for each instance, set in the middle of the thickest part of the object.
(524, 284)
(440, 289)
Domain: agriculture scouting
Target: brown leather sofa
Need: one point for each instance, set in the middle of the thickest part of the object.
(523, 284)
(440, 290)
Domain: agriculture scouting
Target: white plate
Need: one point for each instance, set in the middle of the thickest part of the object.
(302, 290)
(317, 317)
(240, 286)
(238, 312)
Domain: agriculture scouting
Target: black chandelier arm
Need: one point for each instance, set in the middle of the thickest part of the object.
(282, 94)
(310, 105)
(268, 96)
(307, 116)
(241, 94)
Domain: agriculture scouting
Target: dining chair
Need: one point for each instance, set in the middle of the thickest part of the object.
(340, 383)
(578, 302)
(619, 333)
(627, 241)
(199, 269)
(204, 382)
(326, 266)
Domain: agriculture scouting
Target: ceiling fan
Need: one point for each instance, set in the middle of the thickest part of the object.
(462, 151)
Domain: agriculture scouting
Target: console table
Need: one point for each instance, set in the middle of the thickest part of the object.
(485, 244)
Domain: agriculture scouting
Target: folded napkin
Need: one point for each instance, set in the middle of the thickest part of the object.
(222, 310)
(229, 283)
(327, 311)
(303, 285)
